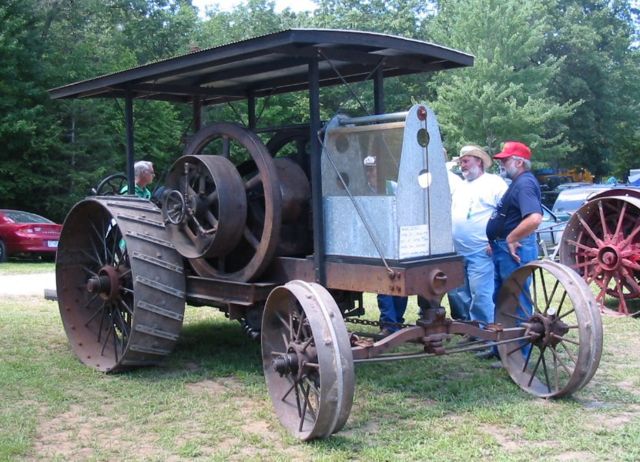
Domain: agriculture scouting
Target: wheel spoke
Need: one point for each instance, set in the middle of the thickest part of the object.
(603, 222)
(621, 217)
(106, 337)
(589, 250)
(99, 310)
(535, 369)
(553, 293)
(558, 360)
(252, 182)
(527, 296)
(544, 369)
(512, 316)
(588, 229)
(226, 147)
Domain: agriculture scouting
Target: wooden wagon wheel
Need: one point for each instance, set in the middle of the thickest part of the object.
(120, 283)
(307, 360)
(259, 237)
(564, 329)
(602, 243)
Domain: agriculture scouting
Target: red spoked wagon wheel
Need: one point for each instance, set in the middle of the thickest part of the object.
(602, 243)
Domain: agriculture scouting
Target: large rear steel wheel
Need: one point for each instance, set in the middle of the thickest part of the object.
(563, 330)
(307, 360)
(120, 281)
(259, 237)
(602, 243)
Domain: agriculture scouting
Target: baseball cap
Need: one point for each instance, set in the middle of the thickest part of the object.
(514, 148)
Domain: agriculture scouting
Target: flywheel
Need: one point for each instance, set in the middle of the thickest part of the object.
(257, 238)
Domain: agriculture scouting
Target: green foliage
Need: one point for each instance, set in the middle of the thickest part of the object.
(599, 68)
(505, 95)
(558, 74)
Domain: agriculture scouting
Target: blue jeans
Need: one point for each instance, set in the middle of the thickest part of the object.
(392, 310)
(475, 297)
(505, 265)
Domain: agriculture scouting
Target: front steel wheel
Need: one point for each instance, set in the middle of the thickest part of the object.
(562, 329)
(307, 360)
(121, 287)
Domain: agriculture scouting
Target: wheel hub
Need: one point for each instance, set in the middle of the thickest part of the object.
(547, 330)
(609, 258)
(295, 361)
(106, 283)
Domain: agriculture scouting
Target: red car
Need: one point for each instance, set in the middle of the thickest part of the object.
(24, 233)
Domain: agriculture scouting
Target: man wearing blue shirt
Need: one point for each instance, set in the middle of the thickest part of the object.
(511, 229)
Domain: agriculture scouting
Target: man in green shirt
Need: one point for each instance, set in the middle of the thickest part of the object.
(143, 170)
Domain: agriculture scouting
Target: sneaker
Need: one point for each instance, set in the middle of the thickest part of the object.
(385, 332)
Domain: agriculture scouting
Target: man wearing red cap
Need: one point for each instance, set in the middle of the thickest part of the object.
(511, 229)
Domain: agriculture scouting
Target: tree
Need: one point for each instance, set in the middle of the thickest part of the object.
(505, 95)
(593, 40)
(29, 134)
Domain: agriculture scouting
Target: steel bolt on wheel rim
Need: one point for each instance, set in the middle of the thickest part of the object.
(602, 243)
(307, 360)
(564, 329)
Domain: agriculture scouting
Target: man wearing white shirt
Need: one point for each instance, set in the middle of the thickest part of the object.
(472, 203)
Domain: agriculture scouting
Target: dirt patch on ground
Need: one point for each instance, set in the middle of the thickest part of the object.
(509, 439)
(215, 387)
(79, 435)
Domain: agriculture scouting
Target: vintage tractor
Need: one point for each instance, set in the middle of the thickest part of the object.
(602, 243)
(289, 244)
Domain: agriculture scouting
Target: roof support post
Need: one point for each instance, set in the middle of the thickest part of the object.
(378, 91)
(251, 109)
(128, 122)
(197, 114)
(316, 181)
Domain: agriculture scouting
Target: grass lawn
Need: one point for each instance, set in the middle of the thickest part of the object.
(208, 401)
(26, 267)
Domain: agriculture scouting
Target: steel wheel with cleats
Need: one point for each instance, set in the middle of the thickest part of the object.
(602, 243)
(307, 360)
(563, 331)
(120, 283)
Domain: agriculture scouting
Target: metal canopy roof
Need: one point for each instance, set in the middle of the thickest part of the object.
(270, 64)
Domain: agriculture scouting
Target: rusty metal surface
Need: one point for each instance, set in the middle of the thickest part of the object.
(218, 291)
(208, 216)
(602, 243)
(257, 246)
(120, 283)
(564, 329)
(306, 357)
(430, 278)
